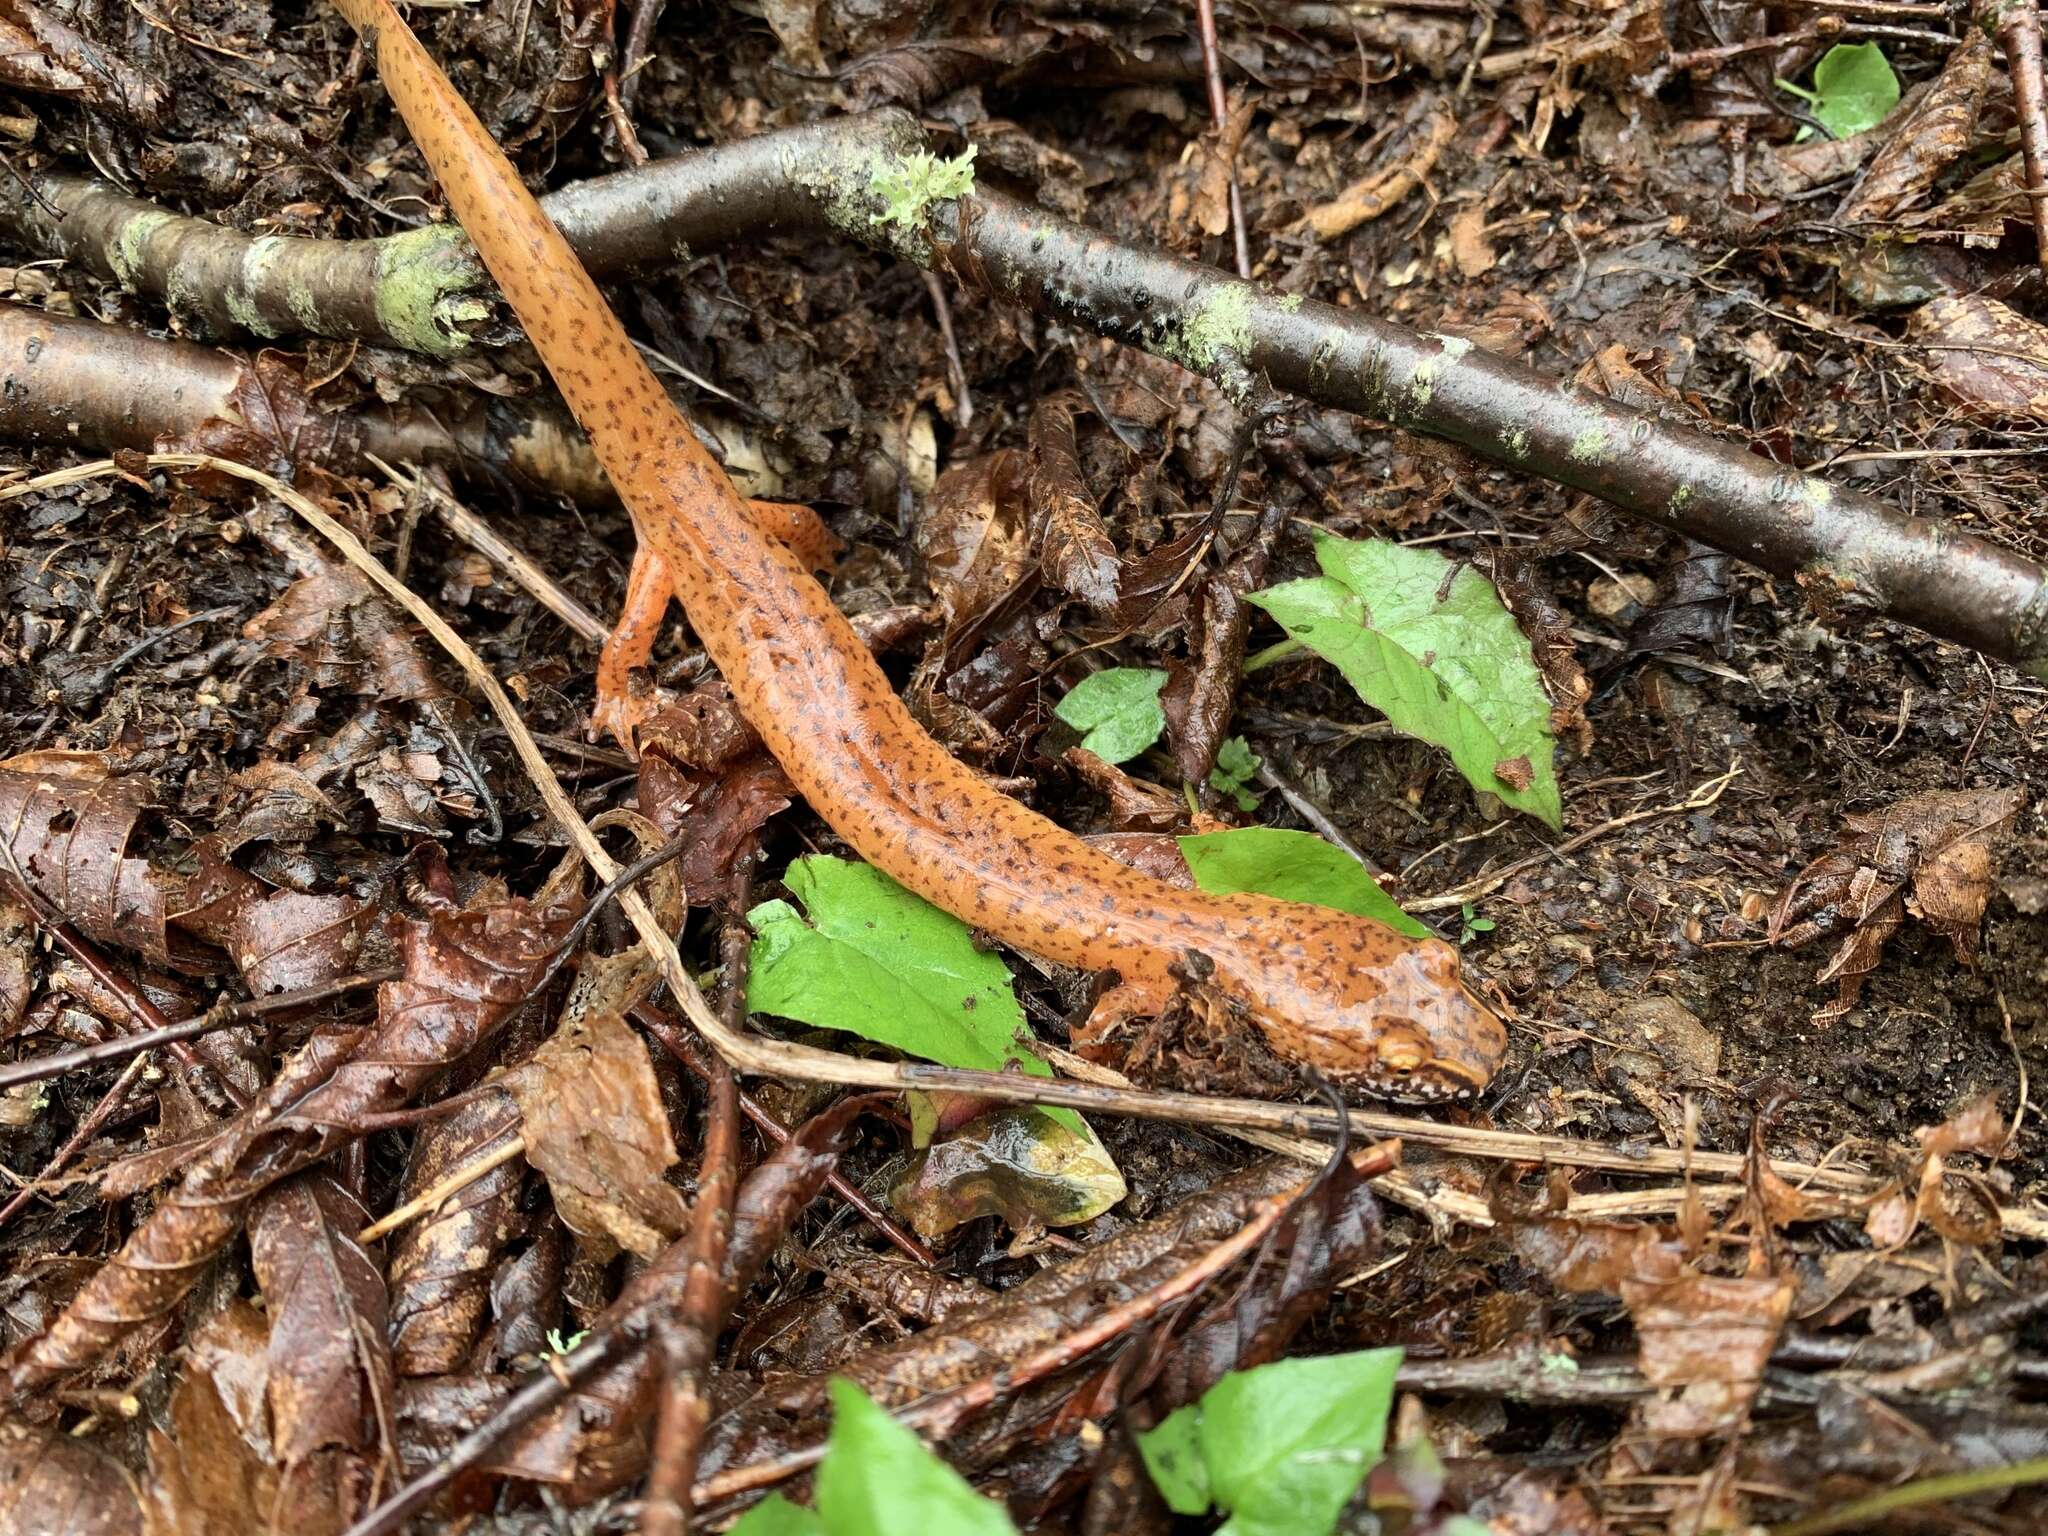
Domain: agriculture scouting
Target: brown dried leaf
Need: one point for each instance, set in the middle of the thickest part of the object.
(596, 1127)
(1929, 137)
(1937, 844)
(68, 818)
(1988, 358)
(1470, 248)
(335, 624)
(42, 54)
(330, 1363)
(1217, 154)
(287, 941)
(53, 1484)
(719, 817)
(975, 536)
(1373, 195)
(214, 1474)
(1079, 557)
(703, 729)
(465, 971)
(441, 1265)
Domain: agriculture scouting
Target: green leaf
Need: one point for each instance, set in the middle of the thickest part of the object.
(1282, 1447)
(1173, 1455)
(1118, 711)
(877, 1479)
(868, 957)
(1236, 766)
(1430, 646)
(776, 1516)
(1853, 88)
(1296, 866)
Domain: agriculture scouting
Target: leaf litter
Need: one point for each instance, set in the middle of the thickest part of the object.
(264, 803)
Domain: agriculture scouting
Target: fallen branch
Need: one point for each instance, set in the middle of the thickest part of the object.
(1853, 552)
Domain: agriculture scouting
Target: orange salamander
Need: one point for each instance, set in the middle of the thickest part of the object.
(1371, 1009)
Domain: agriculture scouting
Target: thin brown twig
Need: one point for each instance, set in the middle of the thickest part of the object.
(688, 1341)
(2017, 26)
(143, 1013)
(221, 1016)
(684, 1047)
(1219, 115)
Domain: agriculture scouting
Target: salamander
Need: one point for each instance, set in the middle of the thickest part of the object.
(1371, 1009)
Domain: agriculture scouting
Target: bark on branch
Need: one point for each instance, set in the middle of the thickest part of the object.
(1852, 552)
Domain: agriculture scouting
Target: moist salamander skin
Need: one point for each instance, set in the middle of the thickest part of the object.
(1369, 1008)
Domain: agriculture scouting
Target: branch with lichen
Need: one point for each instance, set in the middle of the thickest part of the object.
(1852, 553)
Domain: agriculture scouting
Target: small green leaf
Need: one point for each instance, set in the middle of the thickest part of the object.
(1118, 711)
(1282, 1447)
(1296, 866)
(1430, 646)
(1854, 88)
(877, 1479)
(868, 957)
(776, 1516)
(1236, 766)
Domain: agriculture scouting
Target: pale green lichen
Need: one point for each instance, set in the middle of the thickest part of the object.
(125, 251)
(1422, 385)
(423, 280)
(1454, 347)
(909, 184)
(1289, 303)
(298, 298)
(1679, 498)
(1219, 327)
(1590, 446)
(1516, 441)
(246, 313)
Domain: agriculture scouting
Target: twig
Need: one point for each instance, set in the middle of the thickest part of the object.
(431, 1199)
(2016, 24)
(222, 1016)
(688, 1341)
(956, 373)
(1868, 1511)
(685, 1049)
(1869, 557)
(1219, 116)
(501, 551)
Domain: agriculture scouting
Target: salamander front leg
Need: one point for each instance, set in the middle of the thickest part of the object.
(620, 708)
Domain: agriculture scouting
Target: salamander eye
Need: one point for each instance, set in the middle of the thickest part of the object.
(1402, 1050)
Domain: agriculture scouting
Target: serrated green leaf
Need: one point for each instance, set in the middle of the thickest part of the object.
(1854, 88)
(776, 1516)
(1296, 866)
(1118, 711)
(1430, 646)
(868, 957)
(877, 1479)
(1282, 1448)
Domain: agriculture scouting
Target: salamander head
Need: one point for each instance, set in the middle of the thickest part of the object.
(1432, 1039)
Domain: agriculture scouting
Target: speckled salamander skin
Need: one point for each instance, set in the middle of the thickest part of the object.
(1367, 1007)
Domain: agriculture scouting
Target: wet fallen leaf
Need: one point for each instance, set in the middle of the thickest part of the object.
(1930, 853)
(596, 1128)
(1986, 356)
(1015, 1161)
(53, 1484)
(1929, 137)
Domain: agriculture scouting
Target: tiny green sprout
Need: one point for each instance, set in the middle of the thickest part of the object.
(915, 181)
(1472, 924)
(1236, 766)
(557, 1345)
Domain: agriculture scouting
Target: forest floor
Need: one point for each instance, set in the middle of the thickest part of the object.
(274, 780)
